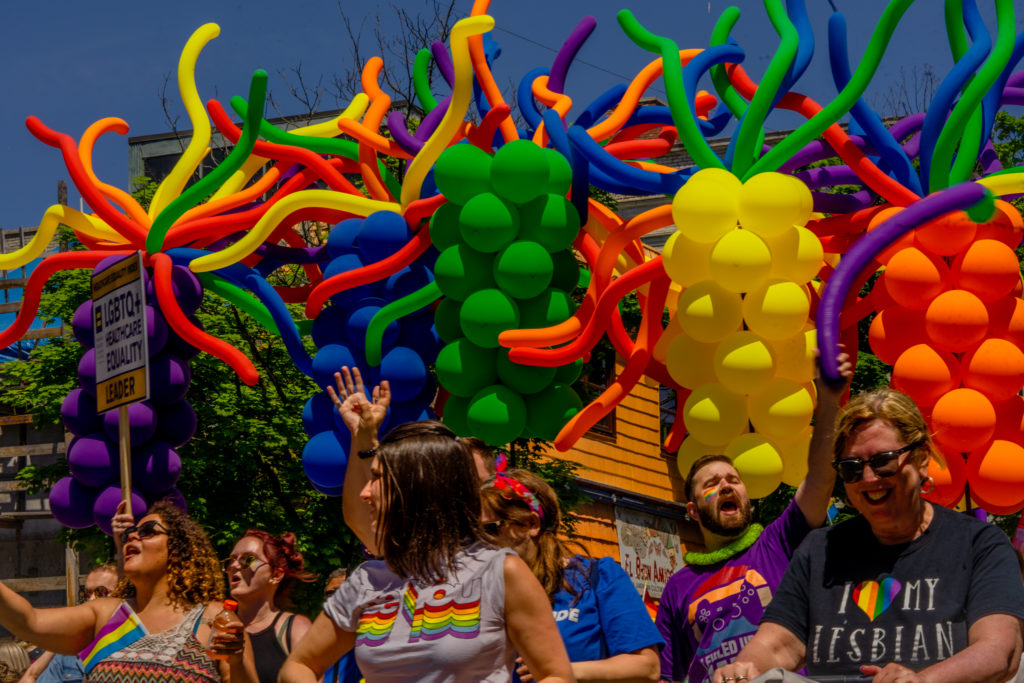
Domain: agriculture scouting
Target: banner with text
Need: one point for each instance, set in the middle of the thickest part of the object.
(650, 548)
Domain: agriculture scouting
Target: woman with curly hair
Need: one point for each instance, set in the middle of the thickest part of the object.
(261, 570)
(157, 629)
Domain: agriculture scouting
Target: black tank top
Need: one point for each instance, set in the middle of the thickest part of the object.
(268, 651)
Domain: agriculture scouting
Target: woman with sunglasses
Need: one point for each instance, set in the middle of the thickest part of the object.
(261, 571)
(604, 623)
(440, 604)
(906, 592)
(157, 626)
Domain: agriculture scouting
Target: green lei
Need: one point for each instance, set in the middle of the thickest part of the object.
(725, 552)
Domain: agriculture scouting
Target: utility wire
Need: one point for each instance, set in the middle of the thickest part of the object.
(627, 79)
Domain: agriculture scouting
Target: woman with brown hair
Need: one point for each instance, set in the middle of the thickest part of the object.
(261, 571)
(440, 604)
(156, 631)
(606, 628)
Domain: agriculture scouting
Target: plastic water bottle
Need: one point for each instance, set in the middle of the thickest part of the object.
(225, 621)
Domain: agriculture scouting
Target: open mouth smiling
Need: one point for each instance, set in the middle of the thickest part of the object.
(877, 497)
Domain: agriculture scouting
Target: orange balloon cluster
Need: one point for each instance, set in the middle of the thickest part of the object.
(953, 330)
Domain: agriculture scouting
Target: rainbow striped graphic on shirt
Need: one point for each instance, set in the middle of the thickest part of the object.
(445, 618)
(122, 629)
(376, 621)
(409, 601)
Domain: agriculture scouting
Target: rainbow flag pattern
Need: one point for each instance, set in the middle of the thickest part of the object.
(710, 493)
(376, 621)
(438, 617)
(874, 597)
(122, 629)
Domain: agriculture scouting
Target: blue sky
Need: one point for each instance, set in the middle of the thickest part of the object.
(73, 62)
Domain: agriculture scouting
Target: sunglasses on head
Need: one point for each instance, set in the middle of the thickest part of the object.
(884, 464)
(246, 561)
(143, 531)
(85, 594)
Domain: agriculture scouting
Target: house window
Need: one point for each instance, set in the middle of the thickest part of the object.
(597, 376)
(666, 409)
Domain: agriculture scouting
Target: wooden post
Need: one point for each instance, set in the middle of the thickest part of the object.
(124, 440)
(71, 575)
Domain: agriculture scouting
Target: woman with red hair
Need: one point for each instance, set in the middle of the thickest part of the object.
(261, 571)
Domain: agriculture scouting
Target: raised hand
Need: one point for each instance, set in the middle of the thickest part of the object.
(362, 416)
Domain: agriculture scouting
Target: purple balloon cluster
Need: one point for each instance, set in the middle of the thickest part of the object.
(409, 345)
(156, 427)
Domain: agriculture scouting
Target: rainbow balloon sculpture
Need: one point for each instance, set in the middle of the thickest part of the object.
(468, 263)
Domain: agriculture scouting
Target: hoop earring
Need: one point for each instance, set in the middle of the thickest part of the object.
(931, 486)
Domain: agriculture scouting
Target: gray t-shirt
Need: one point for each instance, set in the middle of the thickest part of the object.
(441, 633)
(853, 601)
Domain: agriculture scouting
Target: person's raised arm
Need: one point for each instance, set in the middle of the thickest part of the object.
(64, 630)
(815, 491)
(363, 419)
(772, 646)
(992, 655)
(323, 644)
(531, 626)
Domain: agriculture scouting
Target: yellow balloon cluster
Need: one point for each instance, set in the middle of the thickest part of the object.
(740, 337)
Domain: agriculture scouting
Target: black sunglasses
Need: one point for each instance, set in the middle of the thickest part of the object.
(884, 464)
(145, 530)
(492, 528)
(85, 594)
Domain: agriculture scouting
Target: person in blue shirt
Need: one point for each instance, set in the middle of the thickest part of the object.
(345, 670)
(602, 619)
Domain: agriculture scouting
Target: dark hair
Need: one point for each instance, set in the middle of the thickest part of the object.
(552, 552)
(281, 554)
(194, 574)
(696, 467)
(486, 452)
(430, 500)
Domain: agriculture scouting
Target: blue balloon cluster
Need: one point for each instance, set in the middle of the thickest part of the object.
(156, 427)
(409, 345)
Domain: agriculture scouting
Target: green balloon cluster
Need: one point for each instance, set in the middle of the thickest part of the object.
(506, 262)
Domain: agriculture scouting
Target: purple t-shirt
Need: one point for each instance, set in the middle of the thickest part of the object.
(708, 613)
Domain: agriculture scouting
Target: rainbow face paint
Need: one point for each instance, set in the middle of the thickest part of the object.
(710, 493)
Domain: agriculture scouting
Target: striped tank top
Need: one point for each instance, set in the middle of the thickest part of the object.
(172, 655)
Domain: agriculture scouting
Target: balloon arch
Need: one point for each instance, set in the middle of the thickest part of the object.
(469, 262)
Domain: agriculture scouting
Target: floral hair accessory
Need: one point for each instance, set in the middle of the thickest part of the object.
(502, 481)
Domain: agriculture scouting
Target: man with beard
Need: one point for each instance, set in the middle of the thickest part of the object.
(711, 607)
